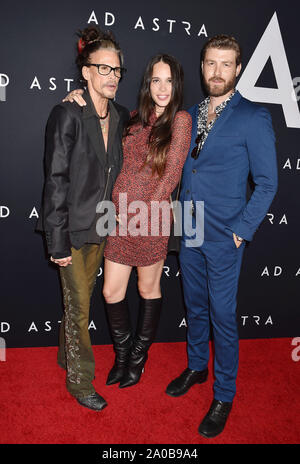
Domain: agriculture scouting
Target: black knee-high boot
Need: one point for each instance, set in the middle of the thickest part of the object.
(148, 318)
(120, 328)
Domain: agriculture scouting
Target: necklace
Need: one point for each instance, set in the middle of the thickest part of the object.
(104, 125)
(103, 121)
(104, 117)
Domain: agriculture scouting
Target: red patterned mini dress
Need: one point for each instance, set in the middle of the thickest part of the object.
(143, 247)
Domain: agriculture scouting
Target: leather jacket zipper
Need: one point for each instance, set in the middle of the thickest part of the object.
(106, 187)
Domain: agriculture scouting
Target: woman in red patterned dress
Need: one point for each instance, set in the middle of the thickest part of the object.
(155, 148)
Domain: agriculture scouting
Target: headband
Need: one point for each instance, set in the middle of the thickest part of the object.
(81, 44)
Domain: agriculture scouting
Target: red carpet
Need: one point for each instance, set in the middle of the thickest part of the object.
(36, 408)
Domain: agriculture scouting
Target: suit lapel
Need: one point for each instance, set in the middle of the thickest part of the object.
(113, 125)
(92, 126)
(194, 110)
(95, 138)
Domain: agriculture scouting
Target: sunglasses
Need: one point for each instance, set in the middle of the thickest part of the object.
(196, 150)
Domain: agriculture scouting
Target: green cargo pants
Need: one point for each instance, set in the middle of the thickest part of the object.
(75, 352)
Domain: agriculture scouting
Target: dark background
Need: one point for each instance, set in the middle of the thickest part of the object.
(38, 41)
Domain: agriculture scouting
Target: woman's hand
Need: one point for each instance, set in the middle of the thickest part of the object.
(75, 95)
(121, 219)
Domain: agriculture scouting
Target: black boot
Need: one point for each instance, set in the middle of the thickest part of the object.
(148, 318)
(120, 328)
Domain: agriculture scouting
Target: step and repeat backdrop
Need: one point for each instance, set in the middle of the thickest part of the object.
(37, 70)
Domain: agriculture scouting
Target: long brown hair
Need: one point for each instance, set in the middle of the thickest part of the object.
(161, 132)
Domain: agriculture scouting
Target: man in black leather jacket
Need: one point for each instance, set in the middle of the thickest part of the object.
(83, 156)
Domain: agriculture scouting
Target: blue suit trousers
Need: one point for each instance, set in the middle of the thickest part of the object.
(210, 275)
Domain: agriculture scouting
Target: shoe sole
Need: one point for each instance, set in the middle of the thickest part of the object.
(93, 409)
(132, 384)
(113, 382)
(210, 436)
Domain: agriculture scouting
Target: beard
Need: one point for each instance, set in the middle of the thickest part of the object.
(218, 90)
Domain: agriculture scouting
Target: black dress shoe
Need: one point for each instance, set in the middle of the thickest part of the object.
(185, 381)
(215, 420)
(93, 401)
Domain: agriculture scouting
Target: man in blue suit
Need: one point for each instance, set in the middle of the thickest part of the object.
(231, 138)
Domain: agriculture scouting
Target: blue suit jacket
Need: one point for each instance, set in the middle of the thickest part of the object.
(241, 141)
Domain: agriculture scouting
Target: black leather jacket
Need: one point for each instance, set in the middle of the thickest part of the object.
(78, 171)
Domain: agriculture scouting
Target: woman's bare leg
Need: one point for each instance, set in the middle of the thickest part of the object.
(116, 277)
(149, 280)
